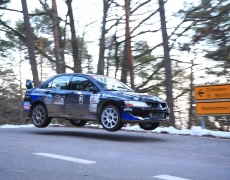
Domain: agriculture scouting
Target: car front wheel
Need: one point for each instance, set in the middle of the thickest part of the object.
(39, 116)
(149, 126)
(110, 118)
(78, 123)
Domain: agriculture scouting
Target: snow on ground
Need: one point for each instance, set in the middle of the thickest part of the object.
(194, 131)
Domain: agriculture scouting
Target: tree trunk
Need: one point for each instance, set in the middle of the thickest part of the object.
(128, 42)
(20, 71)
(124, 66)
(56, 36)
(41, 56)
(167, 64)
(30, 43)
(74, 41)
(101, 62)
(62, 47)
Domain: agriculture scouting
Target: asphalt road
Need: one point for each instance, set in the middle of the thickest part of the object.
(57, 153)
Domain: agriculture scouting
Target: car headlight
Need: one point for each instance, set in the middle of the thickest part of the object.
(136, 103)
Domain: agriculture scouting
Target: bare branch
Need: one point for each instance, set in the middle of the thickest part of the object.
(151, 76)
(23, 38)
(115, 24)
(145, 20)
(179, 35)
(8, 9)
(147, 62)
(142, 4)
(150, 88)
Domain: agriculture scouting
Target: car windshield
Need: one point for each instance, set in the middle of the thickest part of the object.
(111, 84)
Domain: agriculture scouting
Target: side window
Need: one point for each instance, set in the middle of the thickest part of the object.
(80, 84)
(60, 82)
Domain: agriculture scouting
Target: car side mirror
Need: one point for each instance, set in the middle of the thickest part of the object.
(93, 89)
(29, 84)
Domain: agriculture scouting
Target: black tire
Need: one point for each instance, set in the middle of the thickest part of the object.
(39, 116)
(149, 126)
(78, 123)
(110, 118)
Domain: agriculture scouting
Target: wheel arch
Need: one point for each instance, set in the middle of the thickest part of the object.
(110, 102)
(37, 103)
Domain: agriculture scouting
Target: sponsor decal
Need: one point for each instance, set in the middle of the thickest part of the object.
(128, 109)
(108, 95)
(81, 98)
(26, 105)
(93, 108)
(59, 99)
(94, 98)
(111, 96)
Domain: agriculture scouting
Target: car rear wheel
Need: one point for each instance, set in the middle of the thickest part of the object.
(110, 118)
(39, 116)
(149, 126)
(78, 123)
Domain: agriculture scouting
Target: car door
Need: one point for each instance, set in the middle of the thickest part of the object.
(78, 98)
(55, 98)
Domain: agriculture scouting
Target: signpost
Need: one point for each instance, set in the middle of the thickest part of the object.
(212, 100)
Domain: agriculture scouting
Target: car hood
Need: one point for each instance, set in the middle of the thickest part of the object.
(136, 96)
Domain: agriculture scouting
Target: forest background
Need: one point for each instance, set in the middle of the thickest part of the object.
(164, 48)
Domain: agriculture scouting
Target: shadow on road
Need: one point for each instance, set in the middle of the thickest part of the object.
(98, 134)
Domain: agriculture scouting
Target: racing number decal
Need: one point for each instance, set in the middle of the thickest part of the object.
(81, 99)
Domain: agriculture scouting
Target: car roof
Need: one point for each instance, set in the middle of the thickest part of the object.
(80, 74)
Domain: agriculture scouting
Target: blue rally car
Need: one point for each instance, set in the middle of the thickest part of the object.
(85, 97)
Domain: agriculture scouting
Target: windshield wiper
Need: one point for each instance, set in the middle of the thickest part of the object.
(129, 90)
(124, 89)
(111, 90)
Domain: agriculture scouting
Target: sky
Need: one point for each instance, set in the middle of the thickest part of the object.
(89, 11)
(194, 131)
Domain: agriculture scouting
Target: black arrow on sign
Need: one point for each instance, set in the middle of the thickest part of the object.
(200, 92)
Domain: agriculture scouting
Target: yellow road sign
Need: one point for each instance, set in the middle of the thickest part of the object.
(213, 108)
(211, 92)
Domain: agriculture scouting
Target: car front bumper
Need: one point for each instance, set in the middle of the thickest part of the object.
(140, 114)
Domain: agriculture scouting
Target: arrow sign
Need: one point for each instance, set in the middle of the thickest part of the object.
(212, 92)
(200, 92)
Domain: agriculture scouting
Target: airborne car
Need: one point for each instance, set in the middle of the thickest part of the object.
(85, 97)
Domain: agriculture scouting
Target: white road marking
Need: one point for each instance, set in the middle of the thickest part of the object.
(167, 177)
(83, 161)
